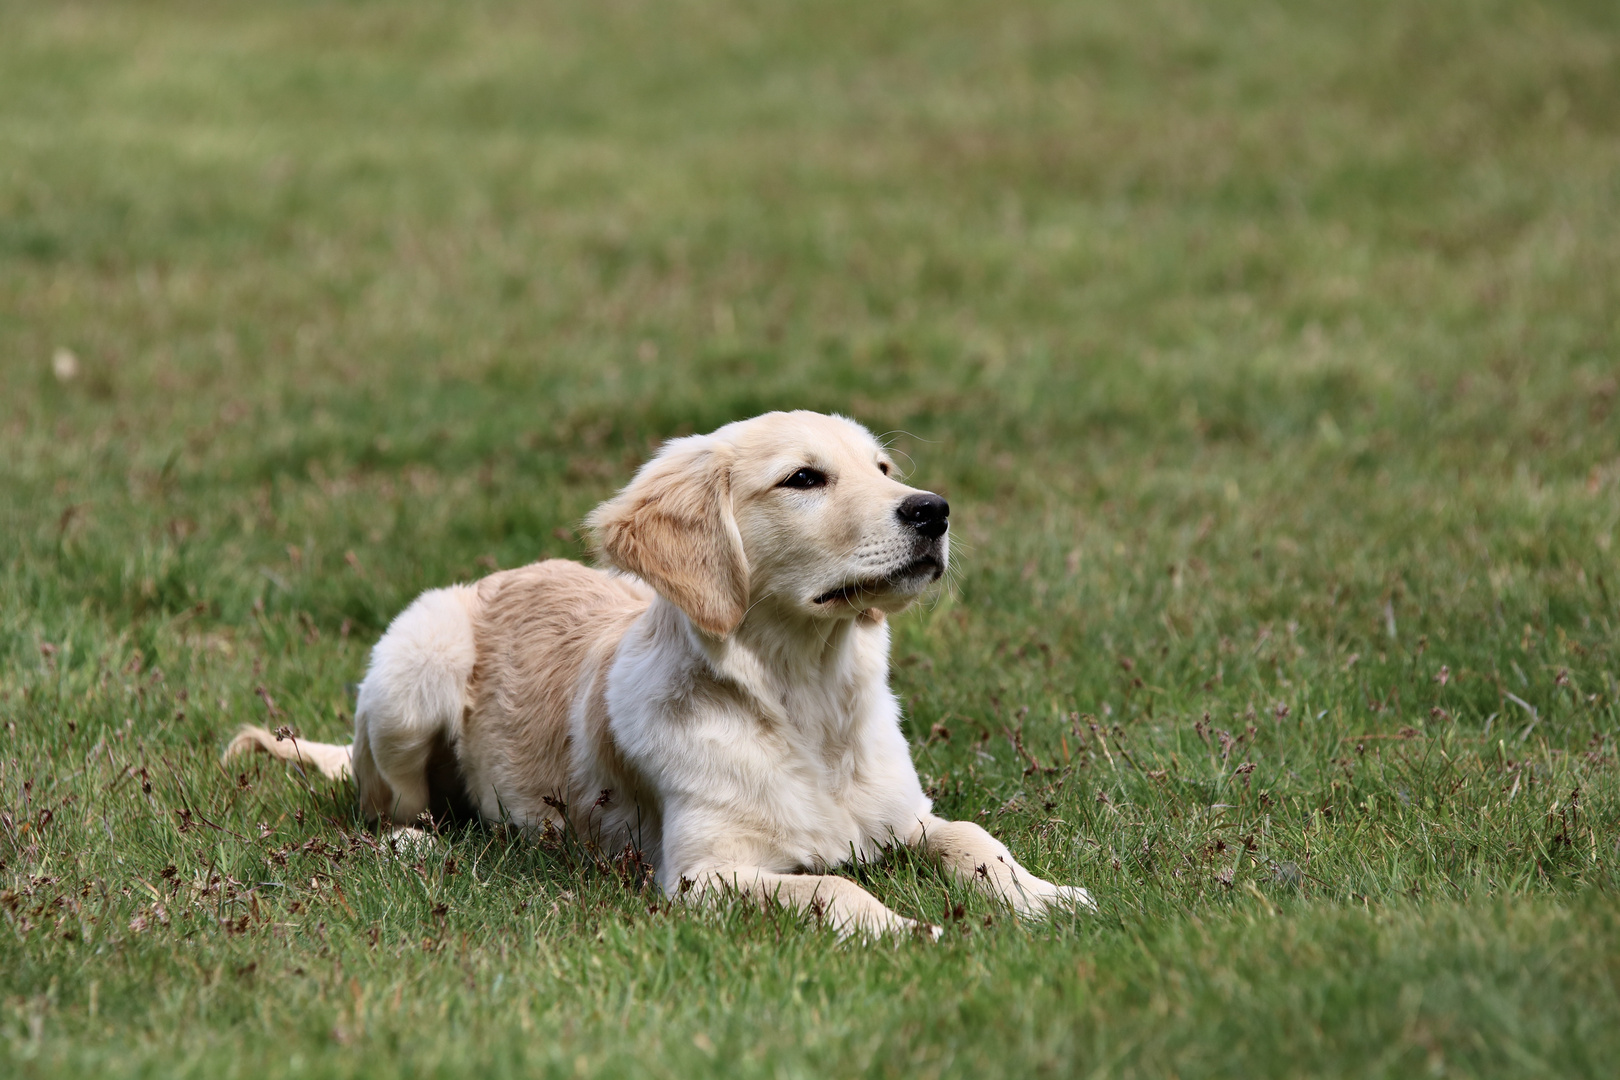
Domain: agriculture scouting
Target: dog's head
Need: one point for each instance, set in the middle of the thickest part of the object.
(797, 511)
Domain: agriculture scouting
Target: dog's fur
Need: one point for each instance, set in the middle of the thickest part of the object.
(721, 702)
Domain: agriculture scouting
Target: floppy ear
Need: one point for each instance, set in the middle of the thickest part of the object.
(672, 527)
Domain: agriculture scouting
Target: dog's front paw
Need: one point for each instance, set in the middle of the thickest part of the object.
(1036, 898)
(887, 925)
(904, 927)
(409, 842)
(1073, 896)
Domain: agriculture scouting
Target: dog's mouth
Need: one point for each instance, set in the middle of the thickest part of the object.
(912, 576)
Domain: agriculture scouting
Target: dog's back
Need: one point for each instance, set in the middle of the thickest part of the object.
(536, 724)
(525, 648)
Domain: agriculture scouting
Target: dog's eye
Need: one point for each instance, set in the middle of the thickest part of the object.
(883, 466)
(805, 478)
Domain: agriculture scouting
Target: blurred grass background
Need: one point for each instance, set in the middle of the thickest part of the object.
(1267, 352)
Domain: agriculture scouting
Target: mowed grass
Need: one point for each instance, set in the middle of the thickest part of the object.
(1268, 353)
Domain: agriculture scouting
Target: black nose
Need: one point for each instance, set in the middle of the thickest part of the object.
(925, 512)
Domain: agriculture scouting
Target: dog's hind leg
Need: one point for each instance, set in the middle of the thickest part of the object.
(377, 798)
(412, 702)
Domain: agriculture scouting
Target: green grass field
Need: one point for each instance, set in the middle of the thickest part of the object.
(1268, 352)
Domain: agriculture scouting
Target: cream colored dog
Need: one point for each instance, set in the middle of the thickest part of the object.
(721, 703)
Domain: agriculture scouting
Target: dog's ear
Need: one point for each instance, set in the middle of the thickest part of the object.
(672, 526)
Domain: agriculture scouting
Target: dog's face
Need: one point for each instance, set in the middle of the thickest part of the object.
(794, 511)
(826, 527)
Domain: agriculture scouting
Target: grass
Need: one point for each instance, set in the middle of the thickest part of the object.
(1268, 353)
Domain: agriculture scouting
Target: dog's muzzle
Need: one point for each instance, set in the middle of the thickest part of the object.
(926, 567)
(927, 517)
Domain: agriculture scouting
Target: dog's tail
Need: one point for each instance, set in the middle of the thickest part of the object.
(334, 762)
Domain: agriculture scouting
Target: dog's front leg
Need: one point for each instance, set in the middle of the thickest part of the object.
(974, 857)
(846, 907)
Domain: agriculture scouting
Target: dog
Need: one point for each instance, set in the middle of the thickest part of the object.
(718, 698)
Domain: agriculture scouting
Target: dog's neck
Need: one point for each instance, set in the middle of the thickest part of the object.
(796, 647)
(775, 657)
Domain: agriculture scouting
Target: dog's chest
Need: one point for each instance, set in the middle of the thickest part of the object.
(843, 778)
(757, 766)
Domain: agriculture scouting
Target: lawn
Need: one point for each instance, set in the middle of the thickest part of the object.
(1269, 355)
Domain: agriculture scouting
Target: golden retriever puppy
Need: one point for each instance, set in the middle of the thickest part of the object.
(719, 699)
